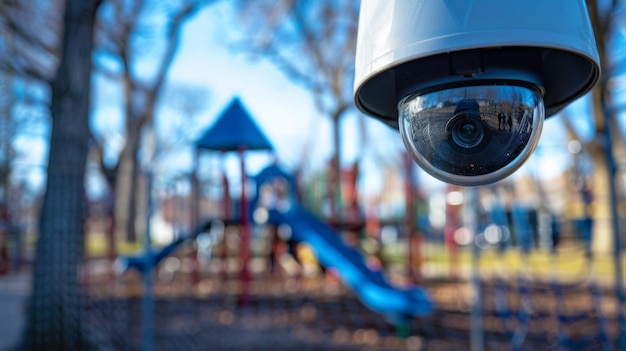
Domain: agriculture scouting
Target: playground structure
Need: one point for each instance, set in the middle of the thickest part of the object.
(371, 286)
(526, 305)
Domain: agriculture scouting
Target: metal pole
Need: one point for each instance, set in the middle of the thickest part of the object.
(617, 246)
(148, 298)
(477, 341)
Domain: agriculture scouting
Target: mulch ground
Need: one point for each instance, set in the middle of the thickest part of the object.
(313, 314)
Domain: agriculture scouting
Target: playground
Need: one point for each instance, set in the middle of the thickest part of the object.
(268, 271)
(273, 266)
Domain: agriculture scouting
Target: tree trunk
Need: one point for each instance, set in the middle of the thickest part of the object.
(127, 186)
(601, 240)
(336, 200)
(55, 316)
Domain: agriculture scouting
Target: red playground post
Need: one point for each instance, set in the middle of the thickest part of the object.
(414, 257)
(452, 215)
(244, 227)
(4, 245)
(195, 220)
(226, 217)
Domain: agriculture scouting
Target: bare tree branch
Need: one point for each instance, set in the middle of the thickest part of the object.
(125, 34)
(316, 53)
(31, 41)
(19, 17)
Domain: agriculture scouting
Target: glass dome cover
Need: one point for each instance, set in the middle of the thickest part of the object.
(472, 135)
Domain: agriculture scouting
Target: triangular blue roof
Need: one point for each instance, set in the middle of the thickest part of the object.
(234, 129)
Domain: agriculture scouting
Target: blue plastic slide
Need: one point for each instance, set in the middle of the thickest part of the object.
(371, 286)
(140, 262)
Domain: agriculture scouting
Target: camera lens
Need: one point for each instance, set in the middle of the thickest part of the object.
(465, 130)
(472, 135)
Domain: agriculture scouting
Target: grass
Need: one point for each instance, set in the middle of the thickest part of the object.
(96, 246)
(564, 265)
(567, 264)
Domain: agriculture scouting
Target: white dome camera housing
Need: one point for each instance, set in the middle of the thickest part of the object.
(469, 82)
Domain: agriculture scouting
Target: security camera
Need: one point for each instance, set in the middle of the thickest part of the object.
(468, 83)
